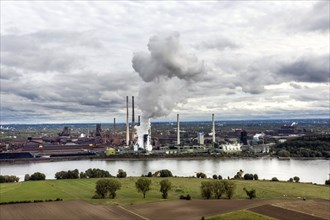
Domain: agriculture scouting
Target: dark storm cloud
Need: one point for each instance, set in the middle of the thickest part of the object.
(308, 69)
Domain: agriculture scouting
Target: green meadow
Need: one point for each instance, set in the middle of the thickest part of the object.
(83, 189)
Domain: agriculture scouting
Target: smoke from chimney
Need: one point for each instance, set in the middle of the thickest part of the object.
(167, 71)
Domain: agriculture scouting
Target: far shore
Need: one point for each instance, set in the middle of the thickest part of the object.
(151, 157)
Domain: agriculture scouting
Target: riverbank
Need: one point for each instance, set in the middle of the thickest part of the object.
(152, 157)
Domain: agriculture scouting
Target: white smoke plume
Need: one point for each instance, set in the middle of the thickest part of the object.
(167, 72)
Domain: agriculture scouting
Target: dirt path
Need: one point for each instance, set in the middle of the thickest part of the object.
(283, 214)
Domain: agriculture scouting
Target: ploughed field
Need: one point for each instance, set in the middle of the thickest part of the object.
(129, 204)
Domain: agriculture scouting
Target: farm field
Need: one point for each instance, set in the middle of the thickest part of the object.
(83, 189)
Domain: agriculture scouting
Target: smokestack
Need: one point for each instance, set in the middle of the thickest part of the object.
(133, 120)
(127, 123)
(213, 129)
(139, 120)
(114, 125)
(178, 124)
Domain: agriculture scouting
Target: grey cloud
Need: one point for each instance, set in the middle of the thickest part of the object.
(308, 69)
(9, 73)
(46, 50)
(219, 43)
(295, 85)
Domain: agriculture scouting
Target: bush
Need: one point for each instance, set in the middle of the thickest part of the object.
(274, 179)
(327, 182)
(82, 175)
(97, 173)
(38, 176)
(188, 197)
(248, 176)
(70, 174)
(201, 175)
(26, 177)
(220, 177)
(165, 186)
(290, 180)
(250, 193)
(121, 174)
(255, 177)
(207, 189)
(229, 188)
(165, 173)
(143, 185)
(149, 174)
(296, 179)
(218, 188)
(239, 175)
(215, 176)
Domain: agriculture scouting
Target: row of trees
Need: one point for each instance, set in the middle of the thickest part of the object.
(217, 188)
(315, 145)
(35, 176)
(8, 179)
(108, 187)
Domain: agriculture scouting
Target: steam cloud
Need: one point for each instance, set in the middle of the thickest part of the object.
(167, 72)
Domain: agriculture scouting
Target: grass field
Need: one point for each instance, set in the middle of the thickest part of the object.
(240, 215)
(84, 189)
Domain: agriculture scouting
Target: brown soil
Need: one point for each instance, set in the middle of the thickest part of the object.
(193, 209)
(320, 208)
(283, 214)
(67, 210)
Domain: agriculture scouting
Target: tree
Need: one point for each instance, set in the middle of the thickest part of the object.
(206, 189)
(143, 185)
(248, 176)
(327, 182)
(201, 175)
(250, 193)
(107, 186)
(121, 173)
(218, 188)
(290, 180)
(102, 188)
(296, 179)
(38, 176)
(215, 176)
(165, 186)
(274, 179)
(149, 174)
(165, 173)
(239, 174)
(26, 177)
(113, 186)
(255, 177)
(220, 177)
(229, 188)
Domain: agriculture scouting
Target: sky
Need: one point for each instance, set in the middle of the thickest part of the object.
(71, 62)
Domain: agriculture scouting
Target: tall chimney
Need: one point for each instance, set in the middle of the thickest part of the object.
(127, 123)
(213, 129)
(114, 125)
(139, 120)
(178, 129)
(133, 120)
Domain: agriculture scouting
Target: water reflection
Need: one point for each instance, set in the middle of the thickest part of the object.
(315, 171)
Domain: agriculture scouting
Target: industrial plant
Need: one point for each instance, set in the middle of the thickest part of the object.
(159, 139)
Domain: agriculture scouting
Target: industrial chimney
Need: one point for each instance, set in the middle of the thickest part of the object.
(213, 129)
(114, 125)
(178, 130)
(133, 121)
(127, 123)
(139, 120)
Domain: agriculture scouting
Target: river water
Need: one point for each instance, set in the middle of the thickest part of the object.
(315, 171)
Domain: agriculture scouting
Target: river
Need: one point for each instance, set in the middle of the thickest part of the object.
(315, 171)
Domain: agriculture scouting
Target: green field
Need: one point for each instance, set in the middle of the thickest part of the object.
(84, 189)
